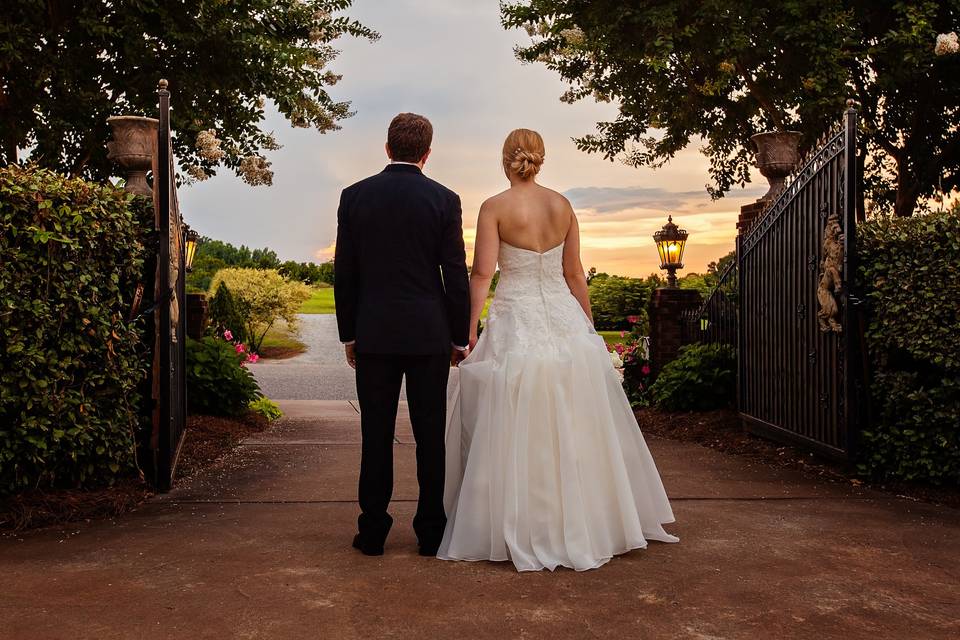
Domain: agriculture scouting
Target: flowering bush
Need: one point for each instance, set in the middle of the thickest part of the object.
(634, 359)
(263, 296)
(218, 383)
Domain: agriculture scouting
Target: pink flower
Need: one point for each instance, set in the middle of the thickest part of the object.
(241, 348)
(252, 357)
(619, 349)
(228, 335)
(633, 319)
(623, 333)
(645, 370)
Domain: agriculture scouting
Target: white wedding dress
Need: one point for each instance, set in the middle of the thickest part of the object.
(546, 465)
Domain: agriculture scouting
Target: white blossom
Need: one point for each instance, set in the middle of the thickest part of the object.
(573, 37)
(255, 171)
(947, 44)
(197, 173)
(209, 146)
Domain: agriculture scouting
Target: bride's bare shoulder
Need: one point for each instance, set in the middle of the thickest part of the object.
(556, 200)
(495, 202)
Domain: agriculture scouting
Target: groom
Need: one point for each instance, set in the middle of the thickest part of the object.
(403, 306)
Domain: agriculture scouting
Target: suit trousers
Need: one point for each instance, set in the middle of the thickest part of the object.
(379, 378)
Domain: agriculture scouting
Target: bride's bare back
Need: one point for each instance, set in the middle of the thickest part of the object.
(527, 216)
(530, 216)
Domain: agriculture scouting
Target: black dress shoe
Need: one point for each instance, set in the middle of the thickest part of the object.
(366, 549)
(429, 551)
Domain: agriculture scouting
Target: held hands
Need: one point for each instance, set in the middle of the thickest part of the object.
(457, 356)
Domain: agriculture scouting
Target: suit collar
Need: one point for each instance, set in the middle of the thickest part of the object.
(403, 168)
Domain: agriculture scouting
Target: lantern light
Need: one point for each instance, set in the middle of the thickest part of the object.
(190, 241)
(671, 241)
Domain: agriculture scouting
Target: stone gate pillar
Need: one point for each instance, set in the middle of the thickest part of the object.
(666, 314)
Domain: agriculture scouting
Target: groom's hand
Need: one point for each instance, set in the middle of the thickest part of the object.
(350, 351)
(457, 356)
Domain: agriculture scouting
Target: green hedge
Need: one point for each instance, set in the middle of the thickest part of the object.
(71, 253)
(909, 272)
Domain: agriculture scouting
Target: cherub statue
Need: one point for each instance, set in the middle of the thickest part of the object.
(830, 280)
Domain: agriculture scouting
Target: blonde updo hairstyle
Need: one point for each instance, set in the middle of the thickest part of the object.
(523, 153)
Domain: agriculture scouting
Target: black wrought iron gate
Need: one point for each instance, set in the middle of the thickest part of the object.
(170, 419)
(787, 304)
(798, 338)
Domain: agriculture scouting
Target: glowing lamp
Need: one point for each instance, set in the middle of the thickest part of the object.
(671, 241)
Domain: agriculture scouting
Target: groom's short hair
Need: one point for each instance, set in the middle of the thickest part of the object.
(409, 137)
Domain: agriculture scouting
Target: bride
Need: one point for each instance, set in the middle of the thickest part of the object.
(546, 465)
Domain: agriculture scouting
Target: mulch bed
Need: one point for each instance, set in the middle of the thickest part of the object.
(721, 430)
(208, 439)
(280, 353)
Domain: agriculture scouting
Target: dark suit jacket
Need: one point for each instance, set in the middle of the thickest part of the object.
(401, 282)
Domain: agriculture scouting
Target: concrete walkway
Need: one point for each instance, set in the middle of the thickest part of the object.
(259, 547)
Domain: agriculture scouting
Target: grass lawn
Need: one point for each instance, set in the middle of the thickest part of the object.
(611, 337)
(280, 342)
(320, 302)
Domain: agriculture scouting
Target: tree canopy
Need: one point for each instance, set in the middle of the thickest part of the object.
(67, 66)
(721, 70)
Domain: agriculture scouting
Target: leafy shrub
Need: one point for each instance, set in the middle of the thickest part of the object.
(71, 254)
(614, 300)
(265, 297)
(702, 377)
(267, 408)
(217, 382)
(227, 315)
(908, 270)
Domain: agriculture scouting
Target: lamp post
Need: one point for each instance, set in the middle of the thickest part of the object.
(671, 241)
(190, 241)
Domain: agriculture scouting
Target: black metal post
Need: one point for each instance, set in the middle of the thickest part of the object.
(163, 185)
(851, 324)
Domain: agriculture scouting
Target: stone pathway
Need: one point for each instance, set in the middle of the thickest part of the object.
(259, 547)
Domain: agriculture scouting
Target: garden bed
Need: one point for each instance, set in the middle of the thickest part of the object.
(207, 440)
(721, 430)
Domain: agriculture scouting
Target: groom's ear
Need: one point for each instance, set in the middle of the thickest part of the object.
(386, 147)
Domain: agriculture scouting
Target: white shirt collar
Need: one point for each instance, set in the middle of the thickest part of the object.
(412, 164)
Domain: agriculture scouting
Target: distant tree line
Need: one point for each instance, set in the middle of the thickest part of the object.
(617, 299)
(214, 255)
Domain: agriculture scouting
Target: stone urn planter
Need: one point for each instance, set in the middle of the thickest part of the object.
(777, 155)
(134, 139)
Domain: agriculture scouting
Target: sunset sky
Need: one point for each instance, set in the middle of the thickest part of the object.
(452, 61)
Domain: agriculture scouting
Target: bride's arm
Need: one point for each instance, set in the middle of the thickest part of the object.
(573, 268)
(486, 250)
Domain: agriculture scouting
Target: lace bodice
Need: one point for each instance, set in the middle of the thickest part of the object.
(532, 307)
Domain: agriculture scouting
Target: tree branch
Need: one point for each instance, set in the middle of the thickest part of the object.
(766, 103)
